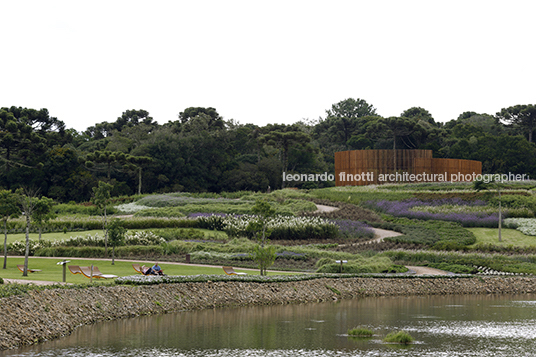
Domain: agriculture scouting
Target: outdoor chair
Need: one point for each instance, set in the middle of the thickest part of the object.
(99, 273)
(21, 268)
(137, 268)
(75, 269)
(86, 271)
(231, 271)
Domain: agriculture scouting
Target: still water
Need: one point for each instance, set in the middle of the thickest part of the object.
(442, 325)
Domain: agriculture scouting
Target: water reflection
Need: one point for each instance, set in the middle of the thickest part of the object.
(443, 325)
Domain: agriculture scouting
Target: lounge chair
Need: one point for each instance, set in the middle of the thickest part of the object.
(105, 276)
(86, 271)
(231, 271)
(137, 268)
(75, 269)
(21, 268)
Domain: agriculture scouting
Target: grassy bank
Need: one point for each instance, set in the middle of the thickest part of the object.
(53, 272)
(508, 237)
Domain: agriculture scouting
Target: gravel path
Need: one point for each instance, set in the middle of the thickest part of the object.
(34, 282)
(322, 208)
(427, 271)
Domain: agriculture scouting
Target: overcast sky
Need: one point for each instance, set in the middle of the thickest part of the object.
(264, 61)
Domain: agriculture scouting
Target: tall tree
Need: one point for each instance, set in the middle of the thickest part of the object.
(101, 199)
(8, 209)
(105, 160)
(263, 253)
(284, 140)
(16, 138)
(396, 128)
(344, 115)
(523, 116)
(136, 163)
(420, 114)
(132, 118)
(117, 235)
(27, 201)
(42, 213)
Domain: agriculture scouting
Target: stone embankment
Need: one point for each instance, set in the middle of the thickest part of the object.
(52, 313)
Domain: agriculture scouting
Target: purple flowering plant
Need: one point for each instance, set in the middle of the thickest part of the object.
(479, 217)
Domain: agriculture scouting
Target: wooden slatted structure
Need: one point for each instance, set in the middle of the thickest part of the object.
(366, 167)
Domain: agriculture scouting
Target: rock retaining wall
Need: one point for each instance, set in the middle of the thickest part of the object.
(52, 313)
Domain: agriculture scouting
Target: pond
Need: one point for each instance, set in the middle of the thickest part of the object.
(454, 325)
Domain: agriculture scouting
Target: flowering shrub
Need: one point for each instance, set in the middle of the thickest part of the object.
(524, 225)
(354, 229)
(477, 218)
(131, 238)
(130, 208)
(181, 199)
(283, 227)
(177, 279)
(19, 247)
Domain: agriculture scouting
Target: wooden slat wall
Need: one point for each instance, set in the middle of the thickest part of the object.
(381, 162)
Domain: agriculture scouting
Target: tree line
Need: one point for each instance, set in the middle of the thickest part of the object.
(201, 151)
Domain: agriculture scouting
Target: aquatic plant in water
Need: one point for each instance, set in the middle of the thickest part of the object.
(360, 332)
(399, 337)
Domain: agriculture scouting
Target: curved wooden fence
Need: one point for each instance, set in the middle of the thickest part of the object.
(366, 167)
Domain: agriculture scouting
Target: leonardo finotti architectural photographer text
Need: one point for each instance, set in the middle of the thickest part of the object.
(406, 177)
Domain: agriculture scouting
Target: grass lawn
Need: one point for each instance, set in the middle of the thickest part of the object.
(508, 236)
(12, 237)
(53, 272)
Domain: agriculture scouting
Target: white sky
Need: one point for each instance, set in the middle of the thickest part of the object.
(264, 61)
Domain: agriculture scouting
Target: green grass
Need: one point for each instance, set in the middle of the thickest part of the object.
(53, 272)
(46, 236)
(12, 237)
(508, 237)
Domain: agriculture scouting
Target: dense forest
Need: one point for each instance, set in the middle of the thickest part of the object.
(201, 151)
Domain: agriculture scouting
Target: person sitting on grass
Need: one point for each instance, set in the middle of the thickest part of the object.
(157, 270)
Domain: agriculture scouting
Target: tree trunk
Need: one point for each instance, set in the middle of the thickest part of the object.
(105, 234)
(40, 231)
(5, 243)
(394, 154)
(139, 182)
(27, 251)
(113, 255)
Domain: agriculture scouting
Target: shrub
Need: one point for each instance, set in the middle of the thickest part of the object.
(360, 331)
(404, 209)
(282, 227)
(526, 226)
(360, 265)
(399, 337)
(180, 233)
(525, 264)
(437, 234)
(131, 238)
(344, 211)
